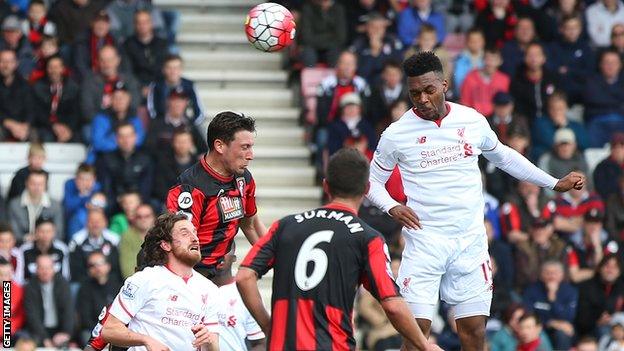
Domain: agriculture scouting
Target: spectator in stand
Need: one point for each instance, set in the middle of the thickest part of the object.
(543, 245)
(584, 256)
(530, 78)
(503, 117)
(570, 209)
(172, 79)
(586, 343)
(122, 17)
(145, 51)
(73, 17)
(56, 105)
(617, 39)
(125, 168)
(97, 291)
(513, 51)
(45, 242)
(172, 162)
(545, 127)
(86, 49)
(601, 16)
(49, 48)
(427, 40)
(36, 159)
(564, 155)
(133, 238)
(614, 222)
(505, 339)
(323, 32)
(351, 130)
(78, 197)
(604, 93)
(471, 58)
(34, 202)
(525, 205)
(529, 330)
(500, 251)
(599, 298)
(11, 253)
(37, 24)
(571, 57)
(120, 111)
(607, 173)
(17, 315)
(13, 39)
(358, 13)
(129, 201)
(614, 340)
(554, 301)
(94, 237)
(375, 48)
(412, 18)
(383, 94)
(50, 308)
(97, 87)
(497, 21)
(481, 85)
(15, 100)
(161, 130)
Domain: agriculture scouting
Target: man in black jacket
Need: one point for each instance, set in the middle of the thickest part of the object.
(49, 308)
(15, 100)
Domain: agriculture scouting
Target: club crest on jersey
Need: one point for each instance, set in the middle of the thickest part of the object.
(204, 298)
(129, 291)
(231, 208)
(406, 283)
(460, 132)
(240, 182)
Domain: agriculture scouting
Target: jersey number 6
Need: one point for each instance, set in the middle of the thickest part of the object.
(310, 253)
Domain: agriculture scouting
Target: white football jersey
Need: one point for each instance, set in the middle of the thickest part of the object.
(163, 305)
(236, 322)
(439, 169)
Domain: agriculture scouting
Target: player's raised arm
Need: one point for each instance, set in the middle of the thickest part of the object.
(116, 333)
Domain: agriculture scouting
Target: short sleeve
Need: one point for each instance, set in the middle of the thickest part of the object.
(210, 316)
(262, 255)
(252, 329)
(377, 276)
(385, 154)
(250, 199)
(131, 298)
(489, 139)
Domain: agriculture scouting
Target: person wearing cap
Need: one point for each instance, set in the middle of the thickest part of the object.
(375, 47)
(554, 301)
(564, 156)
(351, 129)
(542, 245)
(544, 127)
(504, 119)
(161, 130)
(482, 84)
(120, 110)
(13, 39)
(608, 171)
(585, 252)
(16, 112)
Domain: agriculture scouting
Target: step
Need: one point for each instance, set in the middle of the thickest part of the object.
(279, 136)
(262, 114)
(215, 41)
(246, 98)
(221, 79)
(209, 6)
(283, 176)
(201, 59)
(211, 22)
(269, 214)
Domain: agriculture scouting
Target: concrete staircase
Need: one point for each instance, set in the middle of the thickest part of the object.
(232, 75)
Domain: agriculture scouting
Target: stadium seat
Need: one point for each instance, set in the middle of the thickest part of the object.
(593, 156)
(59, 153)
(310, 79)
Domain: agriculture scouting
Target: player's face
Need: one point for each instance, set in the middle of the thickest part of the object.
(239, 152)
(185, 244)
(427, 94)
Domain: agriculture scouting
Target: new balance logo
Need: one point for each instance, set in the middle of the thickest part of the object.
(421, 140)
(173, 298)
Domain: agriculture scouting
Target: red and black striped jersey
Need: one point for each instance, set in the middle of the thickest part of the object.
(215, 204)
(96, 341)
(320, 258)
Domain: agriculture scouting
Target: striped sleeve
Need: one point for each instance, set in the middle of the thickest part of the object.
(377, 277)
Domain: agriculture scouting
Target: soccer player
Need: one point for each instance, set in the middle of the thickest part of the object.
(237, 324)
(320, 258)
(167, 305)
(436, 145)
(218, 192)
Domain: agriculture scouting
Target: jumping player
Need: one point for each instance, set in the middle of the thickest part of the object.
(320, 258)
(436, 145)
(218, 193)
(167, 305)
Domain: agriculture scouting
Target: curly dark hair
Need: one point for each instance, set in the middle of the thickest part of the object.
(154, 255)
(421, 63)
(225, 124)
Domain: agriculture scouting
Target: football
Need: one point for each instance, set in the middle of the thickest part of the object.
(270, 27)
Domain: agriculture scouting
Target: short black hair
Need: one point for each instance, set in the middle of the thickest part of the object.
(225, 124)
(421, 63)
(35, 172)
(172, 57)
(529, 315)
(347, 173)
(606, 52)
(122, 124)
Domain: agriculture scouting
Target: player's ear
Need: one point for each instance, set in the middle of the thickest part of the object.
(165, 246)
(367, 188)
(326, 187)
(445, 85)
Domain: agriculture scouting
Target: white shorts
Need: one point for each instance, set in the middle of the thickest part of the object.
(457, 270)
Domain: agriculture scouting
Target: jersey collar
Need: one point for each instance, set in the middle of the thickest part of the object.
(185, 278)
(212, 172)
(438, 121)
(340, 207)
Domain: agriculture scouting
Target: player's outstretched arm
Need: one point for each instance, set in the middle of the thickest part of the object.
(247, 284)
(253, 228)
(571, 180)
(116, 333)
(398, 313)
